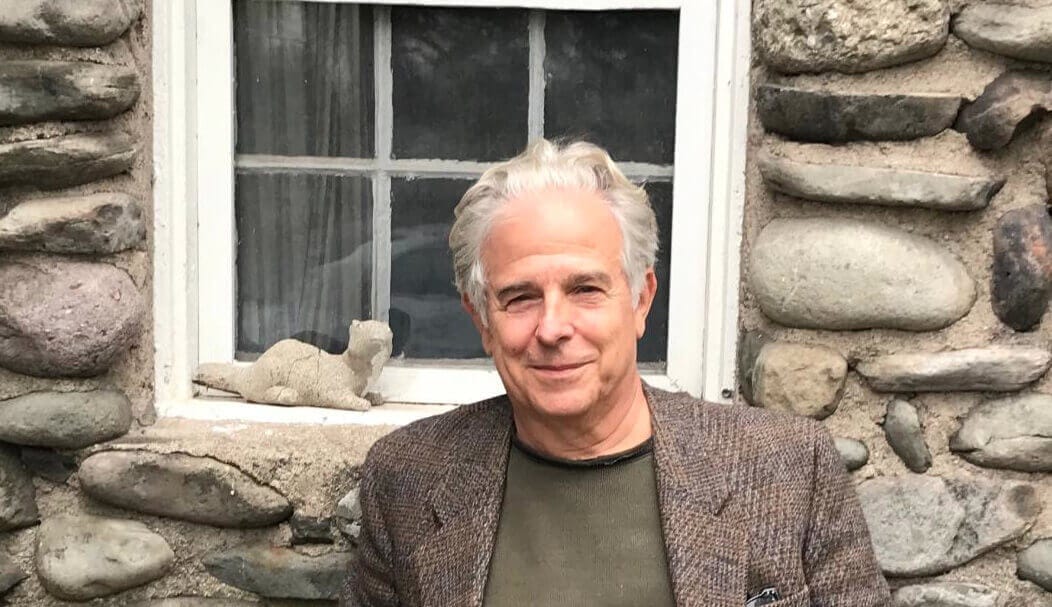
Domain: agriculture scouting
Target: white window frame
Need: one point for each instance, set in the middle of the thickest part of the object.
(194, 248)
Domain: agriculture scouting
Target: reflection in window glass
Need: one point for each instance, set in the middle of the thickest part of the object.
(611, 78)
(461, 82)
(426, 316)
(304, 257)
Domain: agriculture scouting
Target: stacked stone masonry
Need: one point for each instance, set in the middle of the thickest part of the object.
(897, 218)
(95, 502)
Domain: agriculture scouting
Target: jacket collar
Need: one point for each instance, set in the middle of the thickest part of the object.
(694, 452)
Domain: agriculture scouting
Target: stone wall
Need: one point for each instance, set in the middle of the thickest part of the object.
(97, 500)
(897, 261)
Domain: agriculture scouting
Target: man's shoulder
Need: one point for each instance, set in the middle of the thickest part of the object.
(747, 429)
(436, 437)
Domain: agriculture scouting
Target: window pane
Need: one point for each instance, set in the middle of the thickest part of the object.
(304, 259)
(461, 79)
(304, 78)
(426, 316)
(611, 78)
(654, 345)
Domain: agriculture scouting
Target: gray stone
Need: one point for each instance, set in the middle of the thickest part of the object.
(749, 345)
(853, 452)
(18, 506)
(1013, 433)
(64, 90)
(1021, 280)
(99, 224)
(906, 436)
(84, 557)
(65, 420)
(196, 601)
(988, 369)
(1035, 564)
(1003, 108)
(281, 572)
(831, 117)
(840, 274)
(925, 525)
(946, 594)
(196, 489)
(1014, 31)
(66, 318)
(10, 574)
(67, 22)
(47, 463)
(68, 160)
(798, 378)
(310, 529)
(879, 186)
(349, 514)
(845, 36)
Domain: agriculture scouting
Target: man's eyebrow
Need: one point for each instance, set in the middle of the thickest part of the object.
(515, 287)
(587, 277)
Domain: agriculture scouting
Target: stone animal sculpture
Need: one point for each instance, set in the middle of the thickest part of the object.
(295, 373)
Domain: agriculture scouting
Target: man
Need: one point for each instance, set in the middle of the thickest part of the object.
(583, 486)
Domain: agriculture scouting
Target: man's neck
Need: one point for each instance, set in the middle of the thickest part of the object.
(613, 429)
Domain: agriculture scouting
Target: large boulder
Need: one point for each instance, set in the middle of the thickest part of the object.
(1003, 108)
(842, 274)
(64, 420)
(276, 572)
(67, 160)
(18, 506)
(925, 525)
(1013, 433)
(98, 223)
(196, 489)
(846, 36)
(67, 22)
(1021, 280)
(64, 90)
(84, 557)
(1013, 30)
(848, 184)
(66, 318)
(997, 368)
(818, 115)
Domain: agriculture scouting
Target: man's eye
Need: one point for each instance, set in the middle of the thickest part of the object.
(585, 289)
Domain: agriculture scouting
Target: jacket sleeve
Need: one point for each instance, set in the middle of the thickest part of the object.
(370, 582)
(839, 562)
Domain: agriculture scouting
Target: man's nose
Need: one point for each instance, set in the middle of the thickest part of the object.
(555, 323)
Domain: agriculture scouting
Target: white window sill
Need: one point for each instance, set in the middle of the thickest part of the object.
(216, 408)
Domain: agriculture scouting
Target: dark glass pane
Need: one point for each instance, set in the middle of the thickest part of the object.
(654, 345)
(611, 79)
(304, 78)
(461, 80)
(304, 259)
(426, 316)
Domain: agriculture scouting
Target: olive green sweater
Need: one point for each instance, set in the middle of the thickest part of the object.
(579, 533)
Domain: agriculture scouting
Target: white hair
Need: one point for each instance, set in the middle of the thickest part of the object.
(545, 165)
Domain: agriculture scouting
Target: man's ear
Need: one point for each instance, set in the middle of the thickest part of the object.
(646, 299)
(476, 318)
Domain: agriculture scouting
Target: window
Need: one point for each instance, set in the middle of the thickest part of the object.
(329, 142)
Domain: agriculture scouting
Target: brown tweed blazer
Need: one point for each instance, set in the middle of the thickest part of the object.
(748, 499)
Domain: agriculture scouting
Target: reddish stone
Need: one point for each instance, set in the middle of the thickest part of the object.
(1022, 271)
(1009, 103)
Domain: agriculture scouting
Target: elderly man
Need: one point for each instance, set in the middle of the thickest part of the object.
(583, 486)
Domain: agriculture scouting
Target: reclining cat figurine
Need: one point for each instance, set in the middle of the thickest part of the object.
(294, 373)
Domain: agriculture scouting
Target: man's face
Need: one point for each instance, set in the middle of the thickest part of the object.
(562, 322)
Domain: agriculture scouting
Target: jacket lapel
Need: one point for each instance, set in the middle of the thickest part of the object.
(452, 563)
(695, 456)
